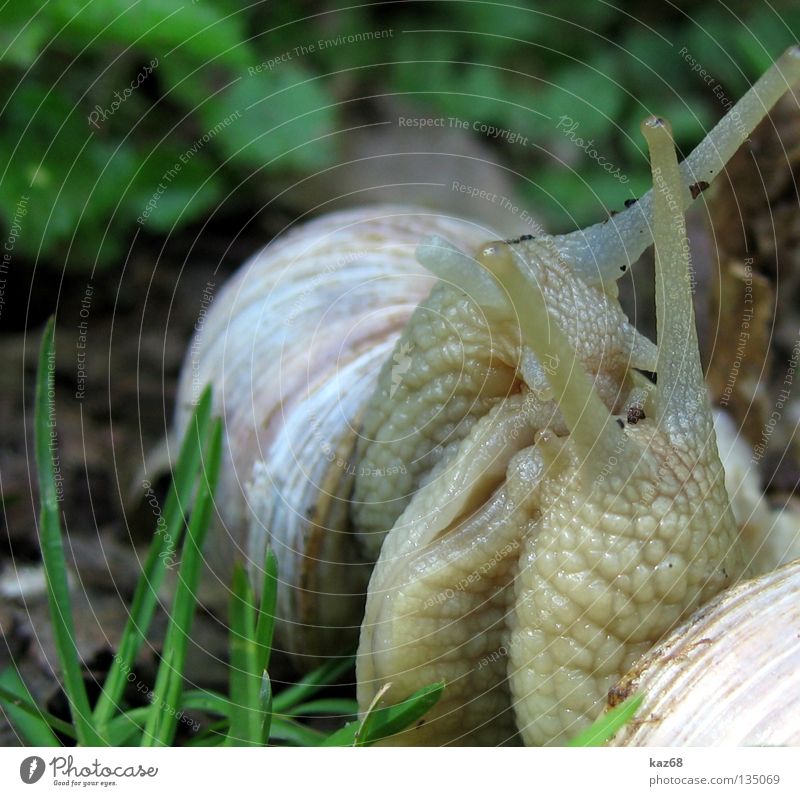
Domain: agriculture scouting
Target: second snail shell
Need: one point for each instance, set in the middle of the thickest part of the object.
(294, 345)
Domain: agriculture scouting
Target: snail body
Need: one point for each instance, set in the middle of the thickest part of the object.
(727, 650)
(292, 345)
(541, 515)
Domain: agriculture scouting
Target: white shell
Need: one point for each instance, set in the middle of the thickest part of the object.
(729, 676)
(293, 346)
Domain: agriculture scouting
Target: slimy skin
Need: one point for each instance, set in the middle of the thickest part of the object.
(459, 354)
(614, 562)
(541, 559)
(462, 356)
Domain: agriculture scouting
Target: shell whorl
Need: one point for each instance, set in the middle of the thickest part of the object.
(292, 347)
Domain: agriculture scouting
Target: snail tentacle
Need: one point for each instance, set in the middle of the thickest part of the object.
(592, 428)
(461, 354)
(604, 251)
(681, 388)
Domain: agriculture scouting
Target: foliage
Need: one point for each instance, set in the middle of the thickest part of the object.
(248, 715)
(119, 115)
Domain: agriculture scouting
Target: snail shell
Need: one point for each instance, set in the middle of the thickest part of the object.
(311, 320)
(726, 676)
(291, 347)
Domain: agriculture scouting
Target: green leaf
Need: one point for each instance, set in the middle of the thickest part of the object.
(209, 701)
(310, 684)
(209, 739)
(52, 545)
(265, 627)
(325, 707)
(386, 721)
(293, 733)
(32, 723)
(281, 119)
(245, 680)
(213, 735)
(175, 184)
(251, 645)
(608, 724)
(158, 26)
(23, 35)
(126, 729)
(265, 703)
(161, 725)
(163, 547)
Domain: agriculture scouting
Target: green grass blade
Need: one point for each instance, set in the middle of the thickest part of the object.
(52, 546)
(245, 672)
(306, 688)
(209, 741)
(265, 626)
(344, 736)
(126, 729)
(145, 598)
(215, 735)
(266, 708)
(325, 707)
(209, 701)
(291, 732)
(161, 725)
(608, 724)
(33, 724)
(383, 722)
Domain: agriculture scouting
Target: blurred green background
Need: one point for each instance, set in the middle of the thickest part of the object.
(108, 107)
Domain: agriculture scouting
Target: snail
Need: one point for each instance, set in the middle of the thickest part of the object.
(461, 435)
(713, 653)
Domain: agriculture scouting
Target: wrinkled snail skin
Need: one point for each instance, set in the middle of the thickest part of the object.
(591, 547)
(464, 357)
(471, 415)
(292, 345)
(455, 576)
(726, 676)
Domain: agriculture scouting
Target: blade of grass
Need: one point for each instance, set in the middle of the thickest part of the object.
(608, 724)
(216, 740)
(52, 546)
(306, 688)
(387, 721)
(245, 681)
(363, 730)
(123, 729)
(265, 626)
(34, 725)
(325, 707)
(161, 725)
(266, 708)
(265, 629)
(395, 718)
(145, 598)
(344, 736)
(294, 733)
(209, 701)
(215, 735)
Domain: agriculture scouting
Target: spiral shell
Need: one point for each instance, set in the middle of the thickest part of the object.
(292, 347)
(728, 676)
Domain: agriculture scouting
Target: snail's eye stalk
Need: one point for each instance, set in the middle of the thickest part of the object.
(592, 428)
(456, 268)
(603, 252)
(681, 399)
